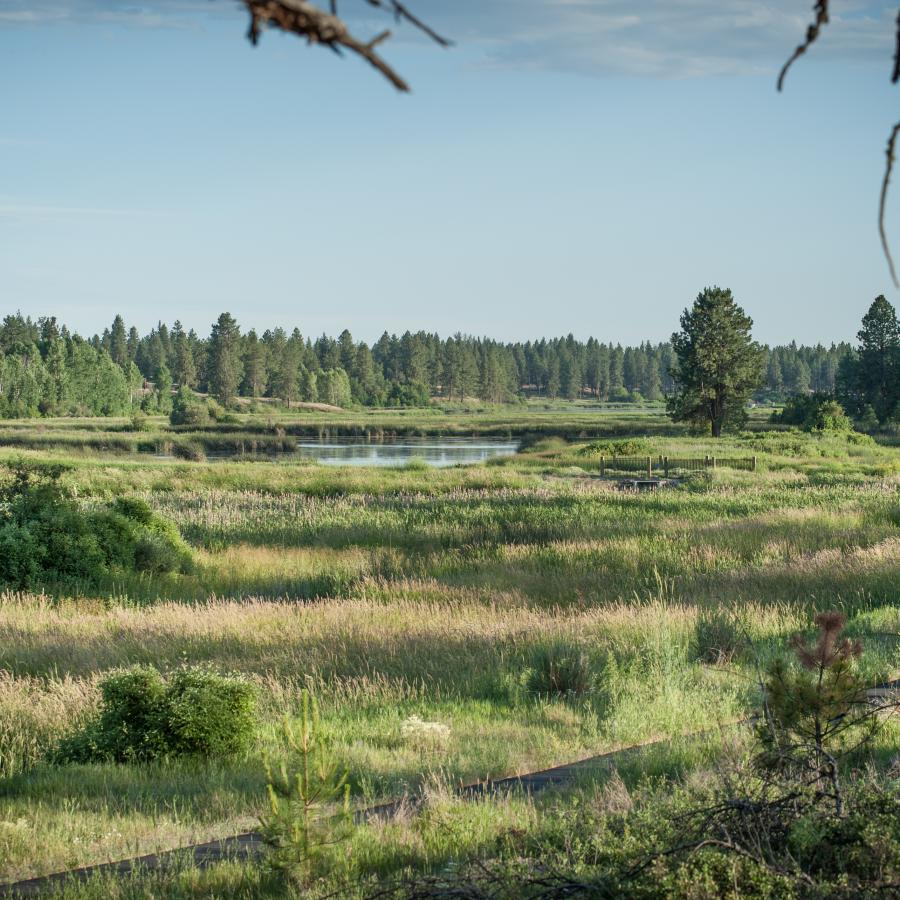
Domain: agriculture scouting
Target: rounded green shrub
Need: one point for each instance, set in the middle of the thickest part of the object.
(131, 723)
(209, 714)
(144, 716)
(20, 555)
(48, 538)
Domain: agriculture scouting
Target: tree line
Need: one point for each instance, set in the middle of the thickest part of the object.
(46, 369)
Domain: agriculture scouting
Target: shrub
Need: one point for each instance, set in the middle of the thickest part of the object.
(144, 716)
(559, 668)
(209, 714)
(624, 447)
(187, 409)
(190, 450)
(814, 412)
(20, 555)
(139, 422)
(716, 637)
(47, 537)
(130, 726)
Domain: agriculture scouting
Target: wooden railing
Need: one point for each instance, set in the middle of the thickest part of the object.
(670, 466)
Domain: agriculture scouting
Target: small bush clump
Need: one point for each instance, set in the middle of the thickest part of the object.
(140, 422)
(559, 669)
(717, 637)
(623, 447)
(188, 409)
(190, 450)
(144, 716)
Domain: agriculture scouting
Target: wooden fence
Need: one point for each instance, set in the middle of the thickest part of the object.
(670, 466)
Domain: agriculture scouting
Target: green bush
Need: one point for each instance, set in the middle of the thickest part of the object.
(46, 537)
(209, 714)
(130, 725)
(814, 412)
(143, 716)
(559, 669)
(623, 447)
(20, 555)
(188, 409)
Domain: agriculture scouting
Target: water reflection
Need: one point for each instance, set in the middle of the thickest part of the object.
(442, 451)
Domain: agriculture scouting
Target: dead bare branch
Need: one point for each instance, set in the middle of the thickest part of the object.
(326, 28)
(895, 77)
(812, 34)
(401, 12)
(882, 204)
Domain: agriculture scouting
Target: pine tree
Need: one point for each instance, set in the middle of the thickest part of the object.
(718, 363)
(185, 371)
(118, 344)
(254, 361)
(878, 373)
(134, 340)
(224, 363)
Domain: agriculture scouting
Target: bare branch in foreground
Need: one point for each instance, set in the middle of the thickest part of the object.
(401, 12)
(895, 77)
(319, 27)
(812, 34)
(888, 170)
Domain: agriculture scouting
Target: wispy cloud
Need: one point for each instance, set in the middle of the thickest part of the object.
(663, 38)
(44, 211)
(654, 38)
(151, 14)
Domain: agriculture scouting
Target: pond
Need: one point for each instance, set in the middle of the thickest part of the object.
(433, 451)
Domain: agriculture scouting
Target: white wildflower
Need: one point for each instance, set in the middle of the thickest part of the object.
(424, 734)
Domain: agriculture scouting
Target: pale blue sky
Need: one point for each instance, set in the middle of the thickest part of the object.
(570, 165)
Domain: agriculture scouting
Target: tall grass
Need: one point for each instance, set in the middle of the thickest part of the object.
(437, 594)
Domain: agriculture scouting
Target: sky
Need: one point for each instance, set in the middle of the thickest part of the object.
(582, 166)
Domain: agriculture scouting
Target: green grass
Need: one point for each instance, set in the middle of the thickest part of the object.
(425, 592)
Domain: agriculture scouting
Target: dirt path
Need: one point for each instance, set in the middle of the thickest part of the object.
(249, 845)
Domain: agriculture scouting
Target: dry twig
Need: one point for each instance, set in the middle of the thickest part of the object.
(812, 33)
(882, 203)
(895, 77)
(326, 28)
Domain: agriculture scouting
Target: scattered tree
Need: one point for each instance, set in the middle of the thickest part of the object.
(718, 364)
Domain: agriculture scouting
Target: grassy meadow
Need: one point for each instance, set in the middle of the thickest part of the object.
(435, 593)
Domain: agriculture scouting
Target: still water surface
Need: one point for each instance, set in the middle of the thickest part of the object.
(435, 451)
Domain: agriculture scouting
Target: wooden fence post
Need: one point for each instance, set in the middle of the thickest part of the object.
(752, 463)
(713, 462)
(666, 466)
(649, 466)
(602, 466)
